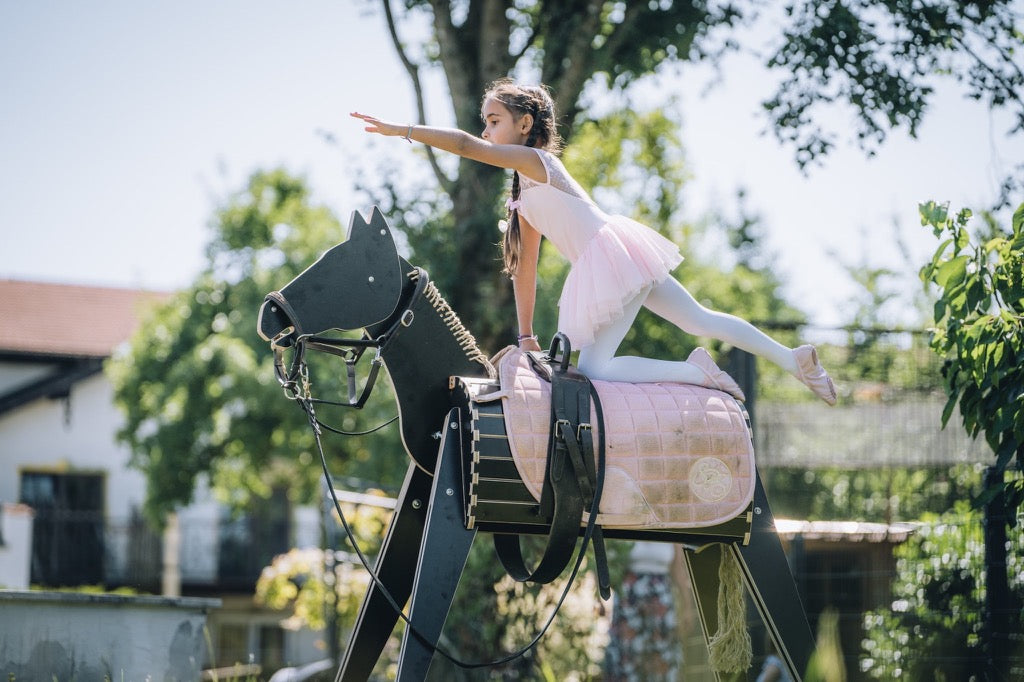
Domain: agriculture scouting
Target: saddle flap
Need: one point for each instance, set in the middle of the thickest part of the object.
(678, 456)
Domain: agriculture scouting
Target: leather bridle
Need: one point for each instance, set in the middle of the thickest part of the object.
(295, 379)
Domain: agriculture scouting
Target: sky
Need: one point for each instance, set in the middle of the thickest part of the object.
(124, 125)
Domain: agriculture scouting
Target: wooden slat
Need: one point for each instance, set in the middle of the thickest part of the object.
(497, 467)
(503, 490)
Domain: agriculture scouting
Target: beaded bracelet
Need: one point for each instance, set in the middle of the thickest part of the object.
(524, 337)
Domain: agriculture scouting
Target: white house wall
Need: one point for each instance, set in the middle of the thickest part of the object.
(15, 546)
(79, 435)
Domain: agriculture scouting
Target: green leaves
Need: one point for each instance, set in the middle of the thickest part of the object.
(934, 628)
(879, 62)
(979, 326)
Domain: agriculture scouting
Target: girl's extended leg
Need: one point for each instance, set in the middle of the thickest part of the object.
(672, 301)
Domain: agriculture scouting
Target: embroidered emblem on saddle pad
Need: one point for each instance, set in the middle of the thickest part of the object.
(678, 456)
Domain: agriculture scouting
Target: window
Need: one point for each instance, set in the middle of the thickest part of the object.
(67, 537)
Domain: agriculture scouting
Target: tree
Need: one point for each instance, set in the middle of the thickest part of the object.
(197, 384)
(934, 629)
(879, 58)
(979, 317)
(979, 333)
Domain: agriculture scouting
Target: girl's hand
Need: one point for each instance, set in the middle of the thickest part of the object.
(375, 125)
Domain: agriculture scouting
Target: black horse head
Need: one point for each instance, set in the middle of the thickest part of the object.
(365, 270)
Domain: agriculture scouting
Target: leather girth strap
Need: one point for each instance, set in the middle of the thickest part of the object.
(572, 482)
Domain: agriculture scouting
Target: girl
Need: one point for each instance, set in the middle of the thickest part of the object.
(618, 265)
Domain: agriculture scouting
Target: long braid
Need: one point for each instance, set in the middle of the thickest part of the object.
(522, 100)
(513, 242)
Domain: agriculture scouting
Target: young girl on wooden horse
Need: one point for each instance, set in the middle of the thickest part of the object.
(618, 264)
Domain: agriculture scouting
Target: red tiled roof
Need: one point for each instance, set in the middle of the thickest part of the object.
(63, 319)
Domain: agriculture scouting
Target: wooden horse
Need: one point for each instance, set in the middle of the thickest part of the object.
(436, 368)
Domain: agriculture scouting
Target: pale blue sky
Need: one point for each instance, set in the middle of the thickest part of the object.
(124, 122)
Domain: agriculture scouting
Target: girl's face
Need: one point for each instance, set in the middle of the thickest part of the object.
(501, 126)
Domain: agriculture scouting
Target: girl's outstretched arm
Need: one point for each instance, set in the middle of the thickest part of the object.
(512, 156)
(524, 283)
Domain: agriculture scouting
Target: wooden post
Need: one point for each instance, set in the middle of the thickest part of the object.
(172, 560)
(742, 366)
(997, 590)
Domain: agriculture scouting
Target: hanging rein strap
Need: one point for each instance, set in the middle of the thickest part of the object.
(571, 481)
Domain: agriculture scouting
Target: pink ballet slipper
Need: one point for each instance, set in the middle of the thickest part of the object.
(813, 375)
(715, 376)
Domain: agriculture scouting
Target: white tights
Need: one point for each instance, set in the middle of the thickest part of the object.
(672, 301)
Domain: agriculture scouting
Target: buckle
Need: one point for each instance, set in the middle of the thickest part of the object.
(581, 428)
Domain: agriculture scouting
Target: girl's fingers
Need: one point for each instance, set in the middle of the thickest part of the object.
(375, 123)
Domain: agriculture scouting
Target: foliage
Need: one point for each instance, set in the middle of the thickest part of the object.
(933, 630)
(197, 384)
(575, 649)
(881, 59)
(979, 332)
(299, 580)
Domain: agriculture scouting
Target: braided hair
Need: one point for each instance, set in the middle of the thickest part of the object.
(522, 100)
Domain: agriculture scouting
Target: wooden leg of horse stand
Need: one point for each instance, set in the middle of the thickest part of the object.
(395, 567)
(773, 589)
(446, 544)
(769, 582)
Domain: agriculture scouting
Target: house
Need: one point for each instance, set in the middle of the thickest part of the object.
(70, 513)
(58, 454)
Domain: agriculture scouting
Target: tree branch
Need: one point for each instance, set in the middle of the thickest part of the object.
(1007, 87)
(492, 48)
(633, 10)
(455, 60)
(567, 71)
(447, 184)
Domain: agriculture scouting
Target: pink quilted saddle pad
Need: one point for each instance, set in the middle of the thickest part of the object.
(677, 455)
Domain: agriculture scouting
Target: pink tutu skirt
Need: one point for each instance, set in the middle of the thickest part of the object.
(621, 260)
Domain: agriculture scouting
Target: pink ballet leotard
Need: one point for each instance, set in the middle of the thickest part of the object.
(613, 257)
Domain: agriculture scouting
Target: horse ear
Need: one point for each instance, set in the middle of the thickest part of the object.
(375, 235)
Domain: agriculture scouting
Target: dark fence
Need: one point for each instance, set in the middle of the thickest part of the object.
(73, 549)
